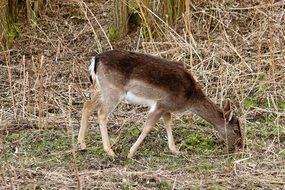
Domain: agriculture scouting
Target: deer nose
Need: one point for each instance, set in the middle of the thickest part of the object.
(240, 144)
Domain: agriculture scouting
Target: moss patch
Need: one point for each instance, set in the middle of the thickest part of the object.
(13, 32)
(197, 142)
(113, 33)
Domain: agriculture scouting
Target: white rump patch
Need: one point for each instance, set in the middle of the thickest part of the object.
(133, 99)
(91, 68)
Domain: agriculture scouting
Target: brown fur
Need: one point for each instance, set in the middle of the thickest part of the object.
(169, 76)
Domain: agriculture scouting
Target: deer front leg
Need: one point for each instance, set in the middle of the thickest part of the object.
(168, 126)
(151, 121)
(89, 107)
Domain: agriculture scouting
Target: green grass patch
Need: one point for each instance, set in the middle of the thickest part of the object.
(198, 143)
(113, 33)
(249, 103)
(217, 187)
(199, 153)
(125, 184)
(13, 32)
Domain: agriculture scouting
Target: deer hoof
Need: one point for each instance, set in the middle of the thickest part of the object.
(110, 153)
(174, 151)
(82, 146)
(130, 155)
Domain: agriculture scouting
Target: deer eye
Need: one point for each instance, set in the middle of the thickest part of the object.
(236, 130)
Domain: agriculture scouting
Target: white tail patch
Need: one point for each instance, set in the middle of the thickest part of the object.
(92, 69)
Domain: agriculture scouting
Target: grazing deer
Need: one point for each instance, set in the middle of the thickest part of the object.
(164, 86)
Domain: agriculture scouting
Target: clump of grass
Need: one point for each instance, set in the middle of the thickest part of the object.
(113, 33)
(217, 187)
(125, 185)
(12, 33)
(165, 185)
(197, 142)
(39, 145)
(249, 103)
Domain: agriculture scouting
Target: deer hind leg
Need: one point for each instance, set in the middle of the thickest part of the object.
(110, 101)
(89, 107)
(152, 118)
(168, 126)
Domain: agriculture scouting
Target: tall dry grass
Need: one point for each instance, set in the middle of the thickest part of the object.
(234, 49)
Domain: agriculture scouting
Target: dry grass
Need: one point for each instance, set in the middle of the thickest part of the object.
(235, 50)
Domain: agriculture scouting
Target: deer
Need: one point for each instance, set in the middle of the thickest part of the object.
(165, 87)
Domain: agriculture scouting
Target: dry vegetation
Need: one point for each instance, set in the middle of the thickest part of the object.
(236, 50)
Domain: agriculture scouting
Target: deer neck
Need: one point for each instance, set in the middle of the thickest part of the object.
(209, 111)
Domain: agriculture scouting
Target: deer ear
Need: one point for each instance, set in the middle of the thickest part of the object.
(228, 114)
(227, 106)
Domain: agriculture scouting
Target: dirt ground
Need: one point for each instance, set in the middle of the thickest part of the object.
(235, 50)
